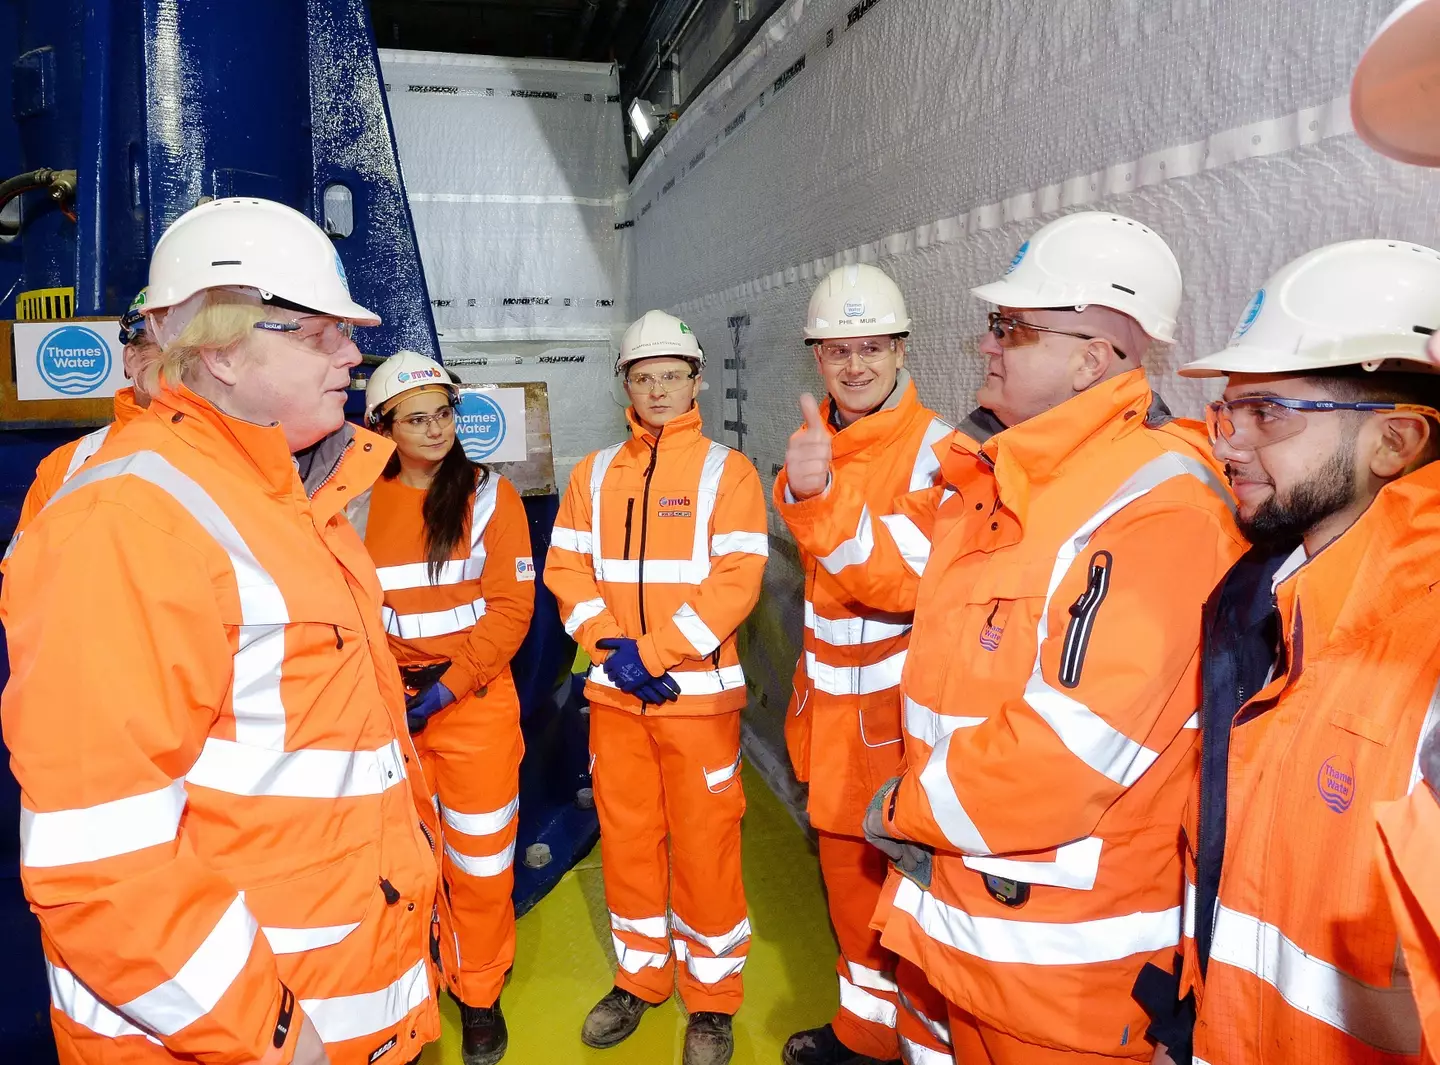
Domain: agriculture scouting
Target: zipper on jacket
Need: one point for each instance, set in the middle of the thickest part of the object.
(645, 528)
(1082, 619)
(391, 893)
(629, 516)
(339, 640)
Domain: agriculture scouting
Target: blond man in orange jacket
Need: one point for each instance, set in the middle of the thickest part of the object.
(225, 836)
(1321, 672)
(843, 726)
(656, 559)
(1050, 688)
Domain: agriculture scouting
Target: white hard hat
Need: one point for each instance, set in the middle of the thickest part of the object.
(1395, 98)
(403, 372)
(654, 334)
(1094, 259)
(855, 301)
(242, 242)
(1349, 304)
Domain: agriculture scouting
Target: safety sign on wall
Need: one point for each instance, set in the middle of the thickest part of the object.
(68, 360)
(491, 424)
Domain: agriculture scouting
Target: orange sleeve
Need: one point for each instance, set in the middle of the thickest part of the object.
(119, 661)
(49, 476)
(876, 558)
(1115, 683)
(1409, 864)
(508, 586)
(739, 545)
(570, 568)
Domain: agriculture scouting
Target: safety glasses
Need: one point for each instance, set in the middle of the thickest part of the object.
(839, 353)
(419, 423)
(670, 381)
(1015, 333)
(1253, 422)
(326, 335)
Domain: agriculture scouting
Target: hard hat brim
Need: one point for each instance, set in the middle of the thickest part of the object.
(1009, 294)
(1259, 361)
(1395, 95)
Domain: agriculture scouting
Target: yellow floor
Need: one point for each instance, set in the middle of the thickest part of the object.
(564, 961)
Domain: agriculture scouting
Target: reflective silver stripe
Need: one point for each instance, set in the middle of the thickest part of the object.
(577, 540)
(632, 959)
(938, 1029)
(717, 777)
(657, 570)
(259, 713)
(299, 940)
(649, 927)
(708, 970)
(748, 543)
(1003, 939)
(692, 682)
(1193, 721)
(718, 945)
(930, 728)
(417, 575)
(945, 806)
(88, 445)
(483, 864)
(1085, 733)
(433, 622)
(854, 551)
(79, 1004)
(874, 979)
(913, 1053)
(582, 613)
(855, 631)
(203, 980)
(1075, 866)
(1432, 715)
(1384, 1018)
(482, 824)
(352, 1016)
(867, 1006)
(240, 769)
(855, 680)
(107, 829)
(927, 464)
(1192, 902)
(913, 544)
(692, 626)
(598, 469)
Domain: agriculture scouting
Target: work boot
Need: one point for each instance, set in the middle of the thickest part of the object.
(821, 1046)
(613, 1019)
(708, 1039)
(485, 1036)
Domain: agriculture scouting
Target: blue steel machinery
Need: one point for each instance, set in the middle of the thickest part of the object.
(124, 114)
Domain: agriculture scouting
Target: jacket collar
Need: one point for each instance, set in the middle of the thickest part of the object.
(676, 433)
(126, 409)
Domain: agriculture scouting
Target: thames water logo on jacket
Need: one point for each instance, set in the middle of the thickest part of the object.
(1336, 782)
(991, 633)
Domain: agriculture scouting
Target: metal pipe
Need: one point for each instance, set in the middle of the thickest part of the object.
(94, 169)
(662, 54)
(587, 19)
(59, 183)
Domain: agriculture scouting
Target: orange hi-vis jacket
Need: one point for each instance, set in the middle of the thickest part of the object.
(662, 540)
(478, 610)
(61, 464)
(843, 723)
(224, 827)
(1305, 957)
(1410, 866)
(1050, 694)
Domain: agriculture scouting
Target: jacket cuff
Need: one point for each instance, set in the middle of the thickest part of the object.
(1172, 1019)
(459, 680)
(650, 655)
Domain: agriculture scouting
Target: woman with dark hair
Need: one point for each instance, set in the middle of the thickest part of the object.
(452, 547)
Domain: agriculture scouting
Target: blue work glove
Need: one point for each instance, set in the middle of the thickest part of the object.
(913, 860)
(628, 673)
(422, 706)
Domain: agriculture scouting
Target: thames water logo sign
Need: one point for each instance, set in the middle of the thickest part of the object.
(73, 360)
(482, 426)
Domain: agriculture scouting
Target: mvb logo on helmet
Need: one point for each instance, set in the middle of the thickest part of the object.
(73, 360)
(425, 373)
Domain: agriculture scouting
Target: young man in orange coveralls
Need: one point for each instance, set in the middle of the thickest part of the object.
(656, 558)
(1056, 578)
(843, 724)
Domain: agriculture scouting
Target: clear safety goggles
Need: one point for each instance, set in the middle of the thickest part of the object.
(420, 423)
(869, 351)
(1253, 422)
(667, 382)
(326, 335)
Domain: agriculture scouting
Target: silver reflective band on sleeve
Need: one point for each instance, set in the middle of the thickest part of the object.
(1000, 939)
(1085, 733)
(352, 1016)
(747, 543)
(692, 626)
(73, 999)
(107, 829)
(239, 769)
(484, 864)
(928, 727)
(855, 551)
(577, 540)
(582, 613)
(691, 681)
(912, 1053)
(203, 980)
(938, 1029)
(874, 979)
(1384, 1018)
(854, 631)
(649, 927)
(855, 680)
(913, 544)
(927, 464)
(1193, 721)
(299, 940)
(632, 959)
(1191, 901)
(1075, 866)
(433, 622)
(708, 970)
(867, 1006)
(482, 824)
(715, 778)
(945, 806)
(719, 945)
(89, 444)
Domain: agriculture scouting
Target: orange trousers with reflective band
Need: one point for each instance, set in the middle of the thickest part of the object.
(924, 1027)
(471, 754)
(979, 1044)
(854, 873)
(669, 796)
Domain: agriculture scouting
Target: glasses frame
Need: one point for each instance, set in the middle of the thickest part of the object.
(295, 325)
(879, 356)
(997, 321)
(420, 423)
(667, 391)
(1216, 409)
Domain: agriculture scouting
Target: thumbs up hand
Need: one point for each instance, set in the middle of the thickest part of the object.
(807, 456)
